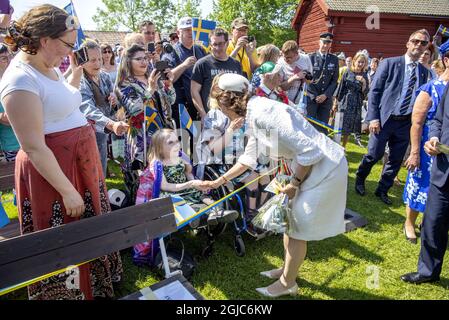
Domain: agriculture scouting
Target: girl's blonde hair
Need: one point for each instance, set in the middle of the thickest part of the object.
(268, 52)
(357, 57)
(158, 140)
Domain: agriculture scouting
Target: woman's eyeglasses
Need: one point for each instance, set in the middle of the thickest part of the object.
(140, 59)
(71, 46)
(107, 51)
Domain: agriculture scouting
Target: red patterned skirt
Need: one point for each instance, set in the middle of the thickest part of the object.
(41, 207)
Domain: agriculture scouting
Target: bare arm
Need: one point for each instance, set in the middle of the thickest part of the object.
(30, 133)
(4, 119)
(74, 78)
(421, 107)
(195, 89)
(174, 187)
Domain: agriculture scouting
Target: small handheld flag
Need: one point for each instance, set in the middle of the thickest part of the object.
(443, 30)
(4, 220)
(152, 120)
(186, 120)
(80, 37)
(183, 212)
(201, 30)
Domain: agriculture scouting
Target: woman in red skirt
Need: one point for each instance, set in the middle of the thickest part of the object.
(58, 176)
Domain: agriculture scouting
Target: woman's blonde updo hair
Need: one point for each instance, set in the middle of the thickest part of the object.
(230, 100)
(41, 21)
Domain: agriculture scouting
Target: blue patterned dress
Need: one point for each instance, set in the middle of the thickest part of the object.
(418, 181)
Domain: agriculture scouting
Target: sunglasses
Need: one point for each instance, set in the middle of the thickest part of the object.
(417, 41)
(107, 51)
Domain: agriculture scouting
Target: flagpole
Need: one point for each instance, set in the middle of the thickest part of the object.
(144, 128)
(193, 47)
(180, 126)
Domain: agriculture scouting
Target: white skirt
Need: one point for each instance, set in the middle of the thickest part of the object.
(318, 213)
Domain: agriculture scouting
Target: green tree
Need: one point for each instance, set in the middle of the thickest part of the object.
(269, 20)
(127, 14)
(186, 8)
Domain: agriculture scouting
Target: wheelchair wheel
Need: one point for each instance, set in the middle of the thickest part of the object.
(239, 246)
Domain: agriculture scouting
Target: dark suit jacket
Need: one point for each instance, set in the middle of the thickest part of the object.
(439, 127)
(386, 88)
(328, 81)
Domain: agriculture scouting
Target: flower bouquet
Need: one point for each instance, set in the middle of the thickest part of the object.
(273, 215)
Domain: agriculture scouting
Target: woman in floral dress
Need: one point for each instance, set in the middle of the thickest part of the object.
(419, 162)
(146, 98)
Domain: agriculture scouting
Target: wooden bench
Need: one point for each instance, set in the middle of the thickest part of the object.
(32, 255)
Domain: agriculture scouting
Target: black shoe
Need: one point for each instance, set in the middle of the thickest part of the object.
(360, 186)
(416, 278)
(384, 197)
(411, 240)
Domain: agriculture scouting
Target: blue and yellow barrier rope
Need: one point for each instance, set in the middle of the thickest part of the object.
(41, 278)
(323, 125)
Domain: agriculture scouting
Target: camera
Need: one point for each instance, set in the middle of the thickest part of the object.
(251, 38)
(166, 46)
(308, 76)
(160, 67)
(151, 47)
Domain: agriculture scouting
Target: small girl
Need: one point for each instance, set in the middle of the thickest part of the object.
(176, 176)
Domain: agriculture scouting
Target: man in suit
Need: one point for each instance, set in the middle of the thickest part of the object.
(325, 76)
(390, 102)
(435, 227)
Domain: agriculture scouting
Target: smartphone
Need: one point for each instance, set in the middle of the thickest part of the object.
(81, 56)
(4, 7)
(151, 47)
(161, 66)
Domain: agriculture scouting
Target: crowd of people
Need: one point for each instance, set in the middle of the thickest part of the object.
(59, 117)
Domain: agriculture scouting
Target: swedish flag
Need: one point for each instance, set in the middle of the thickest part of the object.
(201, 29)
(152, 120)
(70, 9)
(185, 120)
(183, 212)
(443, 30)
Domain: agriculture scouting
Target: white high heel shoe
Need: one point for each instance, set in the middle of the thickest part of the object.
(269, 274)
(293, 291)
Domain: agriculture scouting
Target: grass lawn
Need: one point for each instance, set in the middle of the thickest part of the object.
(343, 267)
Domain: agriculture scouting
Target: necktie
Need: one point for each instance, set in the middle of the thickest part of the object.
(411, 86)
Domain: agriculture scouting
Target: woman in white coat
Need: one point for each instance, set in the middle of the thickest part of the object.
(319, 183)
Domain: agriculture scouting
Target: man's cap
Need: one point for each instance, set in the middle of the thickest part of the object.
(444, 48)
(341, 56)
(239, 23)
(185, 22)
(233, 82)
(327, 37)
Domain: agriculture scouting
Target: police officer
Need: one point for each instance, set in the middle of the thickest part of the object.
(325, 76)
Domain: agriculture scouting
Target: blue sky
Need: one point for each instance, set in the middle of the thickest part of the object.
(85, 9)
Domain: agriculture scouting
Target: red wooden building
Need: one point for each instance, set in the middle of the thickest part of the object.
(347, 20)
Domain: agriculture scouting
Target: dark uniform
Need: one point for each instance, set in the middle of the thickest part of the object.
(325, 77)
